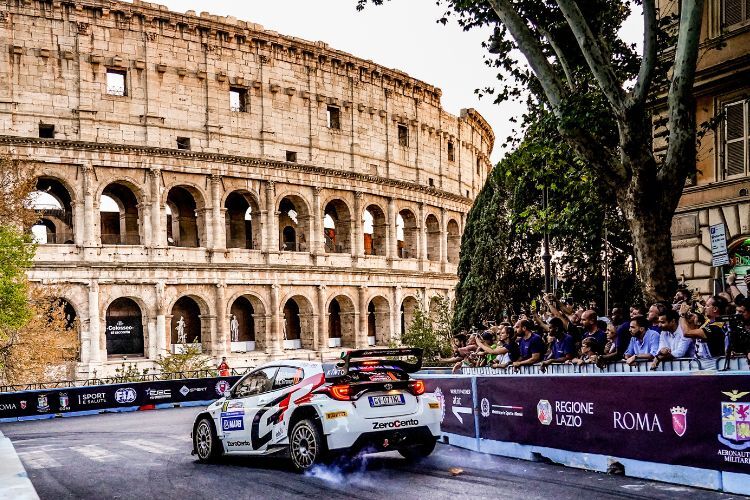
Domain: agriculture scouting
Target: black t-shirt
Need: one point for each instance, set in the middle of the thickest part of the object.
(714, 338)
(514, 352)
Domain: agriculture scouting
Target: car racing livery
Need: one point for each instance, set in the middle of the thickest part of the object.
(315, 410)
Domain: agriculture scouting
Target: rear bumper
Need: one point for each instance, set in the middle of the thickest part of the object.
(391, 439)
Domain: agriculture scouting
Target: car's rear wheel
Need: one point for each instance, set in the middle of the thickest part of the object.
(206, 442)
(306, 445)
(417, 451)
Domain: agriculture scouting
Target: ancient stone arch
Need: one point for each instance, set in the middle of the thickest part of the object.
(379, 321)
(186, 222)
(294, 223)
(298, 322)
(342, 320)
(337, 226)
(375, 241)
(453, 242)
(122, 227)
(242, 220)
(432, 225)
(407, 234)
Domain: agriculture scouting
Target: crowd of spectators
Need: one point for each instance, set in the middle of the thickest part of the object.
(556, 332)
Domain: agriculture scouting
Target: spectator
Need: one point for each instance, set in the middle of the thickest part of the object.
(740, 341)
(507, 350)
(644, 343)
(681, 296)
(530, 345)
(615, 348)
(672, 343)
(637, 310)
(709, 336)
(591, 329)
(588, 353)
(653, 314)
(562, 347)
(223, 367)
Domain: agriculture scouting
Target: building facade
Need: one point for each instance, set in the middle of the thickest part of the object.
(215, 182)
(720, 192)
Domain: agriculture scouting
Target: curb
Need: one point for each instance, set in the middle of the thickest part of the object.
(13, 478)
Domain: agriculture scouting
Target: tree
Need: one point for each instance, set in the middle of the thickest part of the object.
(601, 94)
(432, 334)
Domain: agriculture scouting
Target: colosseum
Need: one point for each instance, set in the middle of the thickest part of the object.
(202, 179)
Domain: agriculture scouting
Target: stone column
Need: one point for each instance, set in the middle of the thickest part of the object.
(95, 355)
(359, 239)
(422, 237)
(161, 323)
(393, 231)
(221, 347)
(78, 222)
(89, 221)
(219, 242)
(361, 332)
(316, 238)
(443, 239)
(158, 227)
(144, 216)
(273, 346)
(322, 319)
(271, 243)
(396, 308)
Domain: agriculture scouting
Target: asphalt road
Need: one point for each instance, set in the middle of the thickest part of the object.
(147, 455)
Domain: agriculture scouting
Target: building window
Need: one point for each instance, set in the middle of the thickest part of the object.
(333, 116)
(46, 131)
(291, 156)
(403, 135)
(183, 143)
(736, 139)
(431, 182)
(116, 82)
(238, 99)
(479, 164)
(451, 151)
(735, 12)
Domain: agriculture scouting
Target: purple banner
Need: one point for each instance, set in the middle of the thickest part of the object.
(457, 403)
(693, 420)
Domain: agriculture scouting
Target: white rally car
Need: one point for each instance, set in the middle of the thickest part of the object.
(315, 410)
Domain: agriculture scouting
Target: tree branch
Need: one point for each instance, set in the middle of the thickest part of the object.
(681, 125)
(598, 63)
(648, 63)
(530, 47)
(560, 56)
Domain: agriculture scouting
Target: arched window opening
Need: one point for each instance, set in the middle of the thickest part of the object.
(334, 324)
(184, 226)
(118, 216)
(375, 230)
(186, 325)
(454, 242)
(337, 226)
(292, 325)
(242, 326)
(242, 221)
(433, 238)
(406, 233)
(294, 224)
(53, 204)
(408, 306)
(341, 322)
(124, 328)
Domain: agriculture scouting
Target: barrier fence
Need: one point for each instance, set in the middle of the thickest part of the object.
(128, 396)
(696, 420)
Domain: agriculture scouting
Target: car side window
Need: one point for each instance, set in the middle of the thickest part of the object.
(257, 382)
(288, 376)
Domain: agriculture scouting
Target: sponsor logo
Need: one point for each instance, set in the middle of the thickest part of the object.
(629, 421)
(485, 407)
(232, 444)
(396, 424)
(735, 427)
(184, 390)
(544, 412)
(434, 406)
(222, 386)
(336, 414)
(7, 406)
(159, 393)
(125, 395)
(679, 420)
(233, 423)
(92, 398)
(23, 404)
(388, 387)
(568, 413)
(120, 328)
(42, 404)
(441, 400)
(64, 401)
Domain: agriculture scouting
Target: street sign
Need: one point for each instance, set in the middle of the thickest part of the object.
(719, 255)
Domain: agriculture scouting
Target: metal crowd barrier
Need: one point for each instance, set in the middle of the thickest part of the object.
(677, 365)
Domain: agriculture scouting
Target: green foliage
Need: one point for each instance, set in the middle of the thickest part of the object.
(431, 332)
(191, 359)
(129, 372)
(16, 254)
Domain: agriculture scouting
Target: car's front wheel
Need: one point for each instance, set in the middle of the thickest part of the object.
(417, 451)
(205, 442)
(306, 445)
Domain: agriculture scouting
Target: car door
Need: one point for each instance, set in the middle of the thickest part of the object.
(268, 425)
(238, 411)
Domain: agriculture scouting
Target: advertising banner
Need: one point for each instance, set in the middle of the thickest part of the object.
(699, 421)
(124, 335)
(102, 397)
(457, 403)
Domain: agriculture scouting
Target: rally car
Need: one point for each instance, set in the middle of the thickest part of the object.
(316, 410)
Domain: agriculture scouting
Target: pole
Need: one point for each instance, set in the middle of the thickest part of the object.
(606, 270)
(546, 257)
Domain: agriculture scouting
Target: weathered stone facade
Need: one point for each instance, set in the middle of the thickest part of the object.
(719, 192)
(225, 147)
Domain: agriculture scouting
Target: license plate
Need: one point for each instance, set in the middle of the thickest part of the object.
(391, 400)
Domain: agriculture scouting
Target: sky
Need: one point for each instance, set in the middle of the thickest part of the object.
(401, 34)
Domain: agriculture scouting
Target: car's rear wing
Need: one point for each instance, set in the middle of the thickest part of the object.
(408, 359)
